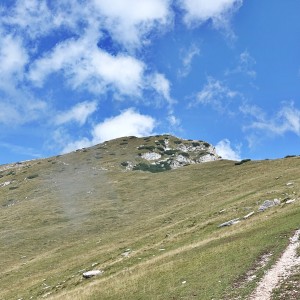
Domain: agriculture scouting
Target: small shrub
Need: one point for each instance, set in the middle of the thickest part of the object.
(185, 154)
(124, 163)
(132, 137)
(178, 142)
(160, 148)
(162, 142)
(151, 148)
(290, 156)
(171, 152)
(32, 176)
(13, 187)
(206, 144)
(163, 166)
(123, 143)
(11, 173)
(195, 144)
(242, 161)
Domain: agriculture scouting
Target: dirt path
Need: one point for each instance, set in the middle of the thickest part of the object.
(281, 269)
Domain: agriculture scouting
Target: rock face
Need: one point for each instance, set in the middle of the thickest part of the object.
(166, 152)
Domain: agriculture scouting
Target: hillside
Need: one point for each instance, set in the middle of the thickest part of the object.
(152, 234)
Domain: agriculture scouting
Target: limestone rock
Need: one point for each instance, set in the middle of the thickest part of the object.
(92, 273)
(269, 203)
(229, 223)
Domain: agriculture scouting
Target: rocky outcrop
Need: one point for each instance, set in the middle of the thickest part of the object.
(169, 152)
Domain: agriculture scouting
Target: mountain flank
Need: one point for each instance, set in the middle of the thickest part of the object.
(124, 220)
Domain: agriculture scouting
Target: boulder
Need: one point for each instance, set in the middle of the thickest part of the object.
(92, 273)
(229, 223)
(269, 203)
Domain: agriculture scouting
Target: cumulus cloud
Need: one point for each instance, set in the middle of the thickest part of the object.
(38, 18)
(78, 113)
(218, 11)
(225, 150)
(129, 21)
(215, 93)
(86, 66)
(128, 123)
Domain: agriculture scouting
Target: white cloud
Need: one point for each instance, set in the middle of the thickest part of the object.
(129, 21)
(72, 146)
(33, 16)
(286, 120)
(37, 18)
(13, 55)
(219, 11)
(188, 59)
(13, 59)
(162, 86)
(216, 94)
(18, 112)
(127, 123)
(245, 65)
(78, 113)
(86, 66)
(225, 150)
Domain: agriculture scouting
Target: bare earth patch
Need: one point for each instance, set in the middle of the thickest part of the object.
(280, 271)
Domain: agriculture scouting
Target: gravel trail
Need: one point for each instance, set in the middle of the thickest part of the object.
(281, 269)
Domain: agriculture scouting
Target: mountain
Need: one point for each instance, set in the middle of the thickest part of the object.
(153, 230)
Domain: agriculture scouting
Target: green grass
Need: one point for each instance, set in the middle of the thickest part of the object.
(78, 212)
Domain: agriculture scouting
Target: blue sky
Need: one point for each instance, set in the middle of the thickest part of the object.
(75, 73)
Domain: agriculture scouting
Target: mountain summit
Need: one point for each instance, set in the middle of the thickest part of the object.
(154, 153)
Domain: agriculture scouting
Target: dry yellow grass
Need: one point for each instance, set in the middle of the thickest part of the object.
(75, 213)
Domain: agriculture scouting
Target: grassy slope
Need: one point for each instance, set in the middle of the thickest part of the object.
(75, 214)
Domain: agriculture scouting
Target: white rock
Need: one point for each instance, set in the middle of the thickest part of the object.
(92, 273)
(207, 157)
(151, 156)
(290, 201)
(248, 215)
(5, 183)
(268, 204)
(229, 223)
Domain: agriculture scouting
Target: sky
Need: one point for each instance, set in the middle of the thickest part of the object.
(75, 73)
